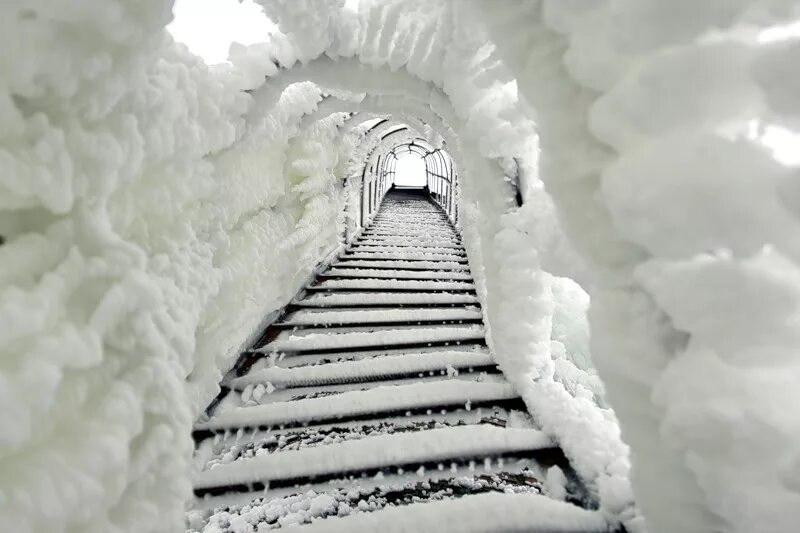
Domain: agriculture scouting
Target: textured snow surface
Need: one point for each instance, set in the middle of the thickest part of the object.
(397, 274)
(369, 368)
(153, 212)
(394, 284)
(148, 224)
(334, 338)
(374, 452)
(688, 224)
(435, 265)
(366, 316)
(379, 399)
(482, 513)
(410, 297)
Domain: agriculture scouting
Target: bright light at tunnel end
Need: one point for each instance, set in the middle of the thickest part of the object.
(410, 171)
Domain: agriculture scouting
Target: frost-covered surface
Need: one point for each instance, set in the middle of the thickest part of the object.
(368, 368)
(152, 214)
(376, 400)
(506, 514)
(375, 452)
(689, 229)
(485, 513)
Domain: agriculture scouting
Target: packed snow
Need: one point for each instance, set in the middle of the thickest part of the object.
(410, 363)
(376, 400)
(374, 452)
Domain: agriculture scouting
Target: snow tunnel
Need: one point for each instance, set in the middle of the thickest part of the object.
(409, 165)
(211, 275)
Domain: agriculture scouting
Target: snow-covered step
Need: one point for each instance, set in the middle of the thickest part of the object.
(427, 237)
(436, 395)
(316, 317)
(401, 265)
(315, 359)
(409, 220)
(411, 230)
(388, 487)
(395, 274)
(488, 374)
(478, 513)
(407, 249)
(227, 448)
(368, 369)
(373, 452)
(420, 227)
(404, 256)
(332, 339)
(393, 285)
(328, 299)
(409, 243)
(436, 226)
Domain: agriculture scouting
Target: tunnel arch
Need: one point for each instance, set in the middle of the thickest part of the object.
(477, 126)
(491, 146)
(104, 137)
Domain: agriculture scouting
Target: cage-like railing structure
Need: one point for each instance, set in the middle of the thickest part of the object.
(379, 174)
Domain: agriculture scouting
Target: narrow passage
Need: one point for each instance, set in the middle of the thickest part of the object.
(376, 390)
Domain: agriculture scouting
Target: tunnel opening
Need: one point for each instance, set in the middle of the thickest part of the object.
(409, 172)
(413, 165)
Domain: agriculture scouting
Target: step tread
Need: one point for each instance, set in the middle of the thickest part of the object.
(477, 513)
(393, 284)
(365, 316)
(396, 274)
(340, 338)
(374, 452)
(415, 256)
(323, 299)
(365, 368)
(355, 403)
(399, 264)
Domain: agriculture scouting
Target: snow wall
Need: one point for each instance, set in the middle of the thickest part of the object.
(154, 212)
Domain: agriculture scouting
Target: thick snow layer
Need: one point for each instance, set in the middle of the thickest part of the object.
(395, 284)
(482, 513)
(153, 212)
(366, 316)
(395, 264)
(689, 230)
(365, 369)
(377, 400)
(376, 298)
(398, 274)
(151, 215)
(374, 452)
(333, 338)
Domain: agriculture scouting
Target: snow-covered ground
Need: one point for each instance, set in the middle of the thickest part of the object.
(154, 212)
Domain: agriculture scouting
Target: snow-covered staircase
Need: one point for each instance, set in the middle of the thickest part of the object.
(375, 403)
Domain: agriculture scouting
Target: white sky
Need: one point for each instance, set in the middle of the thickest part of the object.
(410, 170)
(208, 27)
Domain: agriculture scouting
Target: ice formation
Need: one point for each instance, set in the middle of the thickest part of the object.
(153, 212)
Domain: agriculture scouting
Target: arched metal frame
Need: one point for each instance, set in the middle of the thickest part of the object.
(440, 178)
(374, 182)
